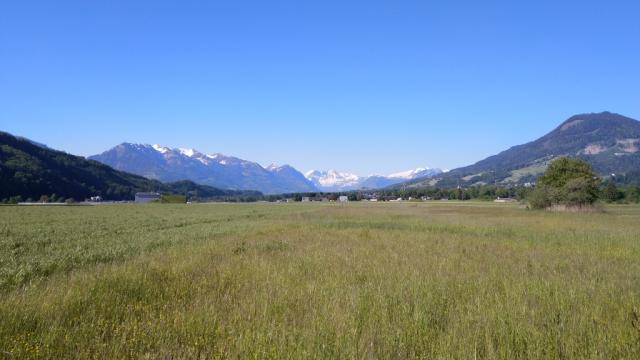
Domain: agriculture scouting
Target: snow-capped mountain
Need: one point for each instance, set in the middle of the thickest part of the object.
(414, 173)
(332, 180)
(173, 164)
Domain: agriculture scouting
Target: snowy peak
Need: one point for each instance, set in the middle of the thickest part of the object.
(280, 168)
(174, 164)
(409, 174)
(332, 180)
(205, 159)
(187, 152)
(160, 149)
(165, 163)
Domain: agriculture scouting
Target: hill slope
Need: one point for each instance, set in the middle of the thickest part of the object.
(167, 164)
(609, 142)
(29, 170)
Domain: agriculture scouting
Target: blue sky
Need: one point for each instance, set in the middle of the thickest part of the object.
(364, 86)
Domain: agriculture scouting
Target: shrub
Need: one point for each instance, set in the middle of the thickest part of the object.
(540, 198)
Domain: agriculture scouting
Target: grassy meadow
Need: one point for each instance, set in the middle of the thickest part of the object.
(433, 280)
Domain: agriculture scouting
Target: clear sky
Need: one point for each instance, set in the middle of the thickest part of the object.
(361, 86)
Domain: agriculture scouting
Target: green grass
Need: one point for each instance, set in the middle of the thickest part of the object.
(406, 280)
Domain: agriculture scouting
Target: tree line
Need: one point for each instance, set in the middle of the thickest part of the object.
(567, 181)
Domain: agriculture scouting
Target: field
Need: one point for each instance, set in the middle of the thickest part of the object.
(379, 280)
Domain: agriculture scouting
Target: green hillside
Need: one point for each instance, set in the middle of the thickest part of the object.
(29, 170)
(608, 141)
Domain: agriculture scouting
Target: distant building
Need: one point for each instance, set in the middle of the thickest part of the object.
(343, 199)
(306, 199)
(504, 200)
(146, 197)
(96, 198)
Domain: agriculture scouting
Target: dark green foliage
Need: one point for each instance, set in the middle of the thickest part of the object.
(14, 199)
(480, 192)
(565, 169)
(198, 192)
(523, 192)
(579, 192)
(542, 197)
(567, 181)
(31, 171)
(611, 192)
(632, 194)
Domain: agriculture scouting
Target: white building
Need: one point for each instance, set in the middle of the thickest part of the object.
(343, 199)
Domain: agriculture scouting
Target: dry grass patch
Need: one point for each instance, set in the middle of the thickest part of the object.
(425, 280)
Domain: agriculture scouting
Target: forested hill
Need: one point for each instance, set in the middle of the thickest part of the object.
(609, 142)
(29, 171)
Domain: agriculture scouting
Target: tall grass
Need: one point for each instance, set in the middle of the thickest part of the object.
(456, 280)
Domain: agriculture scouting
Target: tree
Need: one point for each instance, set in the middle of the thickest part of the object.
(523, 192)
(611, 192)
(567, 181)
(562, 170)
(542, 197)
(633, 194)
(579, 192)
(15, 199)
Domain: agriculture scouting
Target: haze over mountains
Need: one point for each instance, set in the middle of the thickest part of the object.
(218, 170)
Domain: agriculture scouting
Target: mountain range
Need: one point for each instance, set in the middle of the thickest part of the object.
(609, 142)
(332, 180)
(218, 170)
(29, 170)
